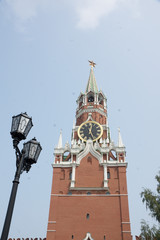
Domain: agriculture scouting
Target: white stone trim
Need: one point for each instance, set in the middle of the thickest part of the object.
(51, 221)
(107, 156)
(89, 117)
(109, 163)
(118, 164)
(88, 235)
(105, 176)
(89, 149)
(91, 110)
(51, 230)
(85, 195)
(73, 175)
(125, 222)
(89, 188)
(62, 164)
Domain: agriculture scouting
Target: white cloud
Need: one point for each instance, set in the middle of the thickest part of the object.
(90, 12)
(22, 11)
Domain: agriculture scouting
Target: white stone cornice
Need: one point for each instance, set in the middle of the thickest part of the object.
(58, 151)
(90, 196)
(75, 150)
(89, 149)
(88, 110)
(62, 164)
(89, 188)
(116, 163)
(120, 149)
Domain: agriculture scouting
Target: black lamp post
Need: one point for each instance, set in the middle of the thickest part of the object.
(21, 125)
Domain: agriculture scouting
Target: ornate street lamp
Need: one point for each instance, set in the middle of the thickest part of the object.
(21, 125)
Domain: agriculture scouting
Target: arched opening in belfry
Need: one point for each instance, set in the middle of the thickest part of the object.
(112, 155)
(80, 101)
(66, 156)
(101, 99)
(90, 97)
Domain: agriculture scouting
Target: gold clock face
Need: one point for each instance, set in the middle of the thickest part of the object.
(90, 130)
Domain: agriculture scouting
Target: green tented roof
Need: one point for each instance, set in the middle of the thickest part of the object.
(92, 85)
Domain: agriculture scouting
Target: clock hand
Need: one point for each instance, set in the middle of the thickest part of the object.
(90, 127)
(91, 134)
(90, 131)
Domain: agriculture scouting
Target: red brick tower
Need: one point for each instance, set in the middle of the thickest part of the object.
(89, 199)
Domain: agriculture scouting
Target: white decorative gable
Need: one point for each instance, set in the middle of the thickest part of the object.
(88, 237)
(89, 149)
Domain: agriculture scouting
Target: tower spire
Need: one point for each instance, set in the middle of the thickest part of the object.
(92, 85)
(60, 140)
(120, 143)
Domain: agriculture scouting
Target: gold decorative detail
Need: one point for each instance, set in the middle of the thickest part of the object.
(92, 63)
(90, 130)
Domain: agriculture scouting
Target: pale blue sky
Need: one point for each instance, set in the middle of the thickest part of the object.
(45, 46)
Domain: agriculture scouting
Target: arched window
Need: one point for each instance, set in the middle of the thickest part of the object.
(62, 174)
(70, 175)
(87, 215)
(107, 193)
(89, 160)
(88, 193)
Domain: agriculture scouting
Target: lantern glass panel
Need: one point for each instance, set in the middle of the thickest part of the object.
(28, 127)
(23, 124)
(32, 150)
(38, 152)
(15, 123)
(26, 149)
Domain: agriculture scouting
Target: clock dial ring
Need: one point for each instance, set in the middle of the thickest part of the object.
(90, 130)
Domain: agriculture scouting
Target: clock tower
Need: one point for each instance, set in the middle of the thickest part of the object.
(89, 199)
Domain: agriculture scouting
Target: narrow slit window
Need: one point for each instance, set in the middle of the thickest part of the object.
(87, 216)
(108, 175)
